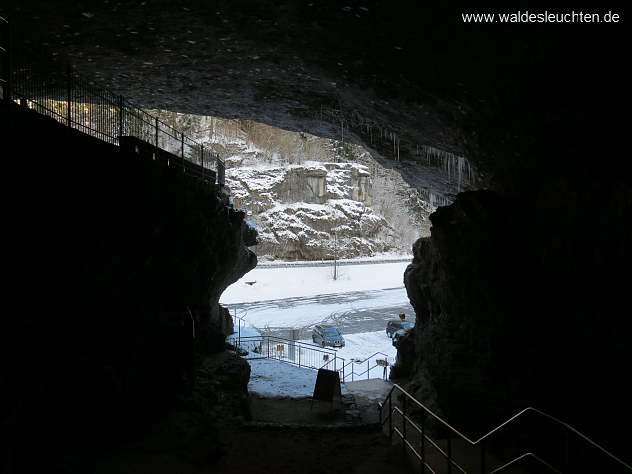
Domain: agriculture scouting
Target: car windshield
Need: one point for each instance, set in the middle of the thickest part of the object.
(331, 332)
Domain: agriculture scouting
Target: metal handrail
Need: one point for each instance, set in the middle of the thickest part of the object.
(97, 111)
(367, 358)
(480, 441)
(367, 371)
(299, 348)
(520, 458)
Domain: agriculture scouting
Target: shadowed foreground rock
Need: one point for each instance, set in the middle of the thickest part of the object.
(116, 265)
(521, 306)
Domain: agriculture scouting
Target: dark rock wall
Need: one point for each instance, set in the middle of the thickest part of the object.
(522, 301)
(112, 263)
(521, 289)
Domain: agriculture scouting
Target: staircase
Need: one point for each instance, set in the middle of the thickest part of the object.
(531, 441)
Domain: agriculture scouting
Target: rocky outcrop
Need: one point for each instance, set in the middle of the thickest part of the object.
(117, 266)
(517, 306)
(306, 231)
(299, 208)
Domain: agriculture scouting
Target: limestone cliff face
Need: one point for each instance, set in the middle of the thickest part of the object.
(117, 265)
(516, 306)
(299, 208)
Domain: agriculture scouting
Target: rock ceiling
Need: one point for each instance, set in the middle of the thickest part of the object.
(421, 74)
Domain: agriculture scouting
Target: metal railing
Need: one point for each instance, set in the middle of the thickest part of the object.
(367, 367)
(5, 60)
(301, 354)
(418, 441)
(48, 88)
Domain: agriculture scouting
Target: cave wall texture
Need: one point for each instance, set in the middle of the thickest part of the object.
(521, 288)
(105, 254)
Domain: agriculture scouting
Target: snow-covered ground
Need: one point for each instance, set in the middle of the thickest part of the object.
(262, 284)
(272, 378)
(275, 378)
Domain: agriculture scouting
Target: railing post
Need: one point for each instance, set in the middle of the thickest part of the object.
(368, 369)
(202, 160)
(404, 426)
(220, 171)
(390, 418)
(9, 63)
(120, 104)
(299, 356)
(182, 147)
(422, 442)
(68, 93)
(156, 125)
(566, 452)
(449, 455)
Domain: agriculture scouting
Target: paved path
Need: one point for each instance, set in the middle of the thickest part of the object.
(353, 312)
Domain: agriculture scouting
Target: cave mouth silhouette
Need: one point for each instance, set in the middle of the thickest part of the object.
(546, 120)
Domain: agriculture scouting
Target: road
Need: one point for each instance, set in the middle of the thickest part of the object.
(353, 312)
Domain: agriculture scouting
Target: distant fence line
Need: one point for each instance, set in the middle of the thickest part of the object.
(41, 84)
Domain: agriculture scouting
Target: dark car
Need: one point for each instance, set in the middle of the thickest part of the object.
(327, 336)
(395, 325)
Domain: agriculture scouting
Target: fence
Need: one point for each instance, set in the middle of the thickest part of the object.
(374, 366)
(41, 84)
(301, 354)
(4, 59)
(311, 356)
